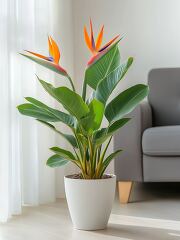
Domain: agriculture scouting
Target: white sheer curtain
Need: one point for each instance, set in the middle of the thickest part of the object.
(24, 178)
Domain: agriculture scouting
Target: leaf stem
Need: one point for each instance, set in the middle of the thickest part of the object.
(84, 91)
(91, 155)
(71, 82)
(102, 158)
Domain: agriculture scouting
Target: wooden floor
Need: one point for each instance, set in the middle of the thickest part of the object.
(148, 220)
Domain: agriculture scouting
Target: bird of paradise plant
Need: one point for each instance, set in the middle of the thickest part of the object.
(83, 115)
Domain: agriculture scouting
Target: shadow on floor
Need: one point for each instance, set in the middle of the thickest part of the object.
(152, 200)
(139, 233)
(149, 191)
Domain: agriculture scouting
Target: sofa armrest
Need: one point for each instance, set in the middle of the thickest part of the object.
(128, 165)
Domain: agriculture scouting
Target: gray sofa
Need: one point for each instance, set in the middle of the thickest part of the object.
(151, 140)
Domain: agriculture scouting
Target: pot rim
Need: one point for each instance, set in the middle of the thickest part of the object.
(112, 176)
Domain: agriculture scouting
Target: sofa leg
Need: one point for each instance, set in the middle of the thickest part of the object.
(124, 191)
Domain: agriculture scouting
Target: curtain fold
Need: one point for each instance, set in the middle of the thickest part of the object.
(24, 178)
(24, 143)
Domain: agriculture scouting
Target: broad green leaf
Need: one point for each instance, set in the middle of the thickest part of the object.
(103, 66)
(125, 102)
(97, 110)
(46, 64)
(70, 100)
(63, 117)
(63, 153)
(108, 84)
(103, 134)
(56, 161)
(70, 138)
(36, 112)
(93, 120)
(48, 87)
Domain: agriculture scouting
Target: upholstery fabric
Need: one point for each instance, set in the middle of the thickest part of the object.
(164, 96)
(161, 141)
(161, 169)
(128, 164)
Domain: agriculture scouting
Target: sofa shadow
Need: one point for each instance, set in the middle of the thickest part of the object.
(143, 192)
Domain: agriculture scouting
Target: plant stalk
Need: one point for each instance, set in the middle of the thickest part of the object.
(71, 82)
(84, 91)
(102, 158)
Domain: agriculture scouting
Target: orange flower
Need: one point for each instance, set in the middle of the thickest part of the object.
(95, 47)
(54, 56)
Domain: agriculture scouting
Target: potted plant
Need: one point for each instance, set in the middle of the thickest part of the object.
(89, 192)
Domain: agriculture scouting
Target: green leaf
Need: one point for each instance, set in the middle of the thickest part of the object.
(107, 161)
(70, 100)
(82, 138)
(125, 102)
(46, 64)
(93, 120)
(56, 161)
(48, 87)
(110, 157)
(36, 112)
(103, 66)
(70, 138)
(108, 84)
(97, 110)
(103, 134)
(61, 116)
(63, 153)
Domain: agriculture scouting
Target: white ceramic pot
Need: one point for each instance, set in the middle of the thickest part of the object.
(90, 201)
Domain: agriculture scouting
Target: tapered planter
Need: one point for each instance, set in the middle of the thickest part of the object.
(90, 201)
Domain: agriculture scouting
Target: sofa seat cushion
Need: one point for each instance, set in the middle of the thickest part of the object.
(161, 141)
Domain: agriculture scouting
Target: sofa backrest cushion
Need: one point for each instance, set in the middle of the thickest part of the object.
(164, 96)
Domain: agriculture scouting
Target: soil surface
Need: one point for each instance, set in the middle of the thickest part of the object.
(79, 176)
